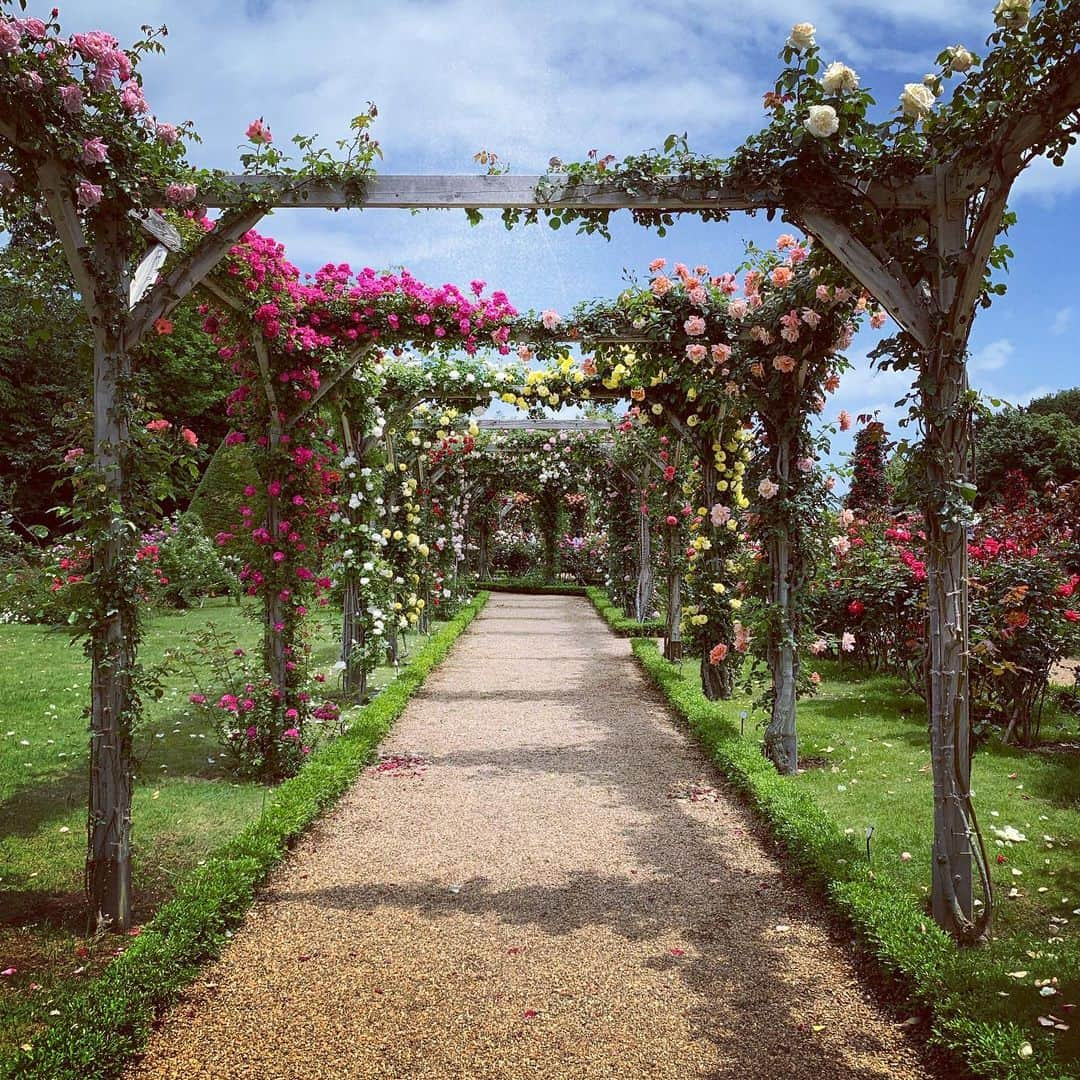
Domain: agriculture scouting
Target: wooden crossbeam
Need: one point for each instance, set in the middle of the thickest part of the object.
(190, 271)
(525, 424)
(506, 192)
(881, 277)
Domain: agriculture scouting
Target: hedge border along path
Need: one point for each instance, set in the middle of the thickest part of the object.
(621, 624)
(110, 1020)
(903, 938)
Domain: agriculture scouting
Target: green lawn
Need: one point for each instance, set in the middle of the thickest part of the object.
(185, 803)
(865, 751)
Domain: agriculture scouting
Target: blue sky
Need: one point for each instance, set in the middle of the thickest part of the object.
(529, 81)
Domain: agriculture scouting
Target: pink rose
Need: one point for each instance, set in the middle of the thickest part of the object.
(71, 98)
(721, 353)
(694, 326)
(258, 132)
(88, 194)
(660, 285)
(35, 28)
(179, 194)
(785, 364)
(550, 319)
(845, 419)
(95, 151)
(737, 309)
(158, 425)
(696, 353)
(189, 436)
(657, 264)
(781, 277)
(10, 36)
(132, 100)
(167, 133)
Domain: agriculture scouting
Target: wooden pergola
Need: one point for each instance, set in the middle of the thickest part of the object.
(954, 208)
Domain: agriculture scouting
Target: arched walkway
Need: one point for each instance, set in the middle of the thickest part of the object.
(546, 879)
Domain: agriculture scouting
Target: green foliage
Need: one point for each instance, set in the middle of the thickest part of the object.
(1044, 446)
(108, 1022)
(620, 623)
(220, 491)
(535, 588)
(1064, 402)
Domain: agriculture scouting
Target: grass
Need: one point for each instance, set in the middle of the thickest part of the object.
(185, 804)
(866, 742)
(623, 625)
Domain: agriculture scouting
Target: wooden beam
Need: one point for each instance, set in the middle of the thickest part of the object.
(69, 228)
(525, 424)
(352, 360)
(507, 192)
(881, 276)
(146, 273)
(153, 223)
(189, 272)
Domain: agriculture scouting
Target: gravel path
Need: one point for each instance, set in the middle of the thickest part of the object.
(544, 878)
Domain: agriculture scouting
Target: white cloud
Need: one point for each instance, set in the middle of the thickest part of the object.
(1062, 320)
(993, 356)
(1046, 183)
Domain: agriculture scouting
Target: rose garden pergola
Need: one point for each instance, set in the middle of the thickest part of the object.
(919, 237)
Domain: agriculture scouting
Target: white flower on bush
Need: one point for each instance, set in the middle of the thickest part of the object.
(802, 35)
(960, 60)
(847, 642)
(916, 101)
(767, 489)
(1012, 14)
(822, 121)
(839, 79)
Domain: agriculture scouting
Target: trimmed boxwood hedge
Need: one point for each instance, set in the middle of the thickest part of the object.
(109, 1021)
(613, 616)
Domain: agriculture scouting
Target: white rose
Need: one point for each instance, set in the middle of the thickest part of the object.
(839, 79)
(1012, 14)
(822, 121)
(916, 100)
(960, 60)
(802, 35)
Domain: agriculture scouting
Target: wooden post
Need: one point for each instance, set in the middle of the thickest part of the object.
(944, 388)
(673, 645)
(717, 680)
(113, 638)
(780, 737)
(643, 596)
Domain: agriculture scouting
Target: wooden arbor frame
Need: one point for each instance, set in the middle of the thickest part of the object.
(958, 206)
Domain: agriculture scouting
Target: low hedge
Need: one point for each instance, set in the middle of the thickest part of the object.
(935, 972)
(623, 625)
(109, 1021)
(536, 588)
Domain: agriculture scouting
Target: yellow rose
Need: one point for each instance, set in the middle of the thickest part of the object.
(398, 534)
(719, 588)
(735, 603)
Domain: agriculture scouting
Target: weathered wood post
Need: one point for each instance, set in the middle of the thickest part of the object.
(717, 680)
(673, 645)
(643, 595)
(113, 636)
(781, 742)
(943, 385)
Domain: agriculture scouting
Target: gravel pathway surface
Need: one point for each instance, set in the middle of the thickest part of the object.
(542, 878)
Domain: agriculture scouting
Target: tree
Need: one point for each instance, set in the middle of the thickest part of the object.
(1044, 447)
